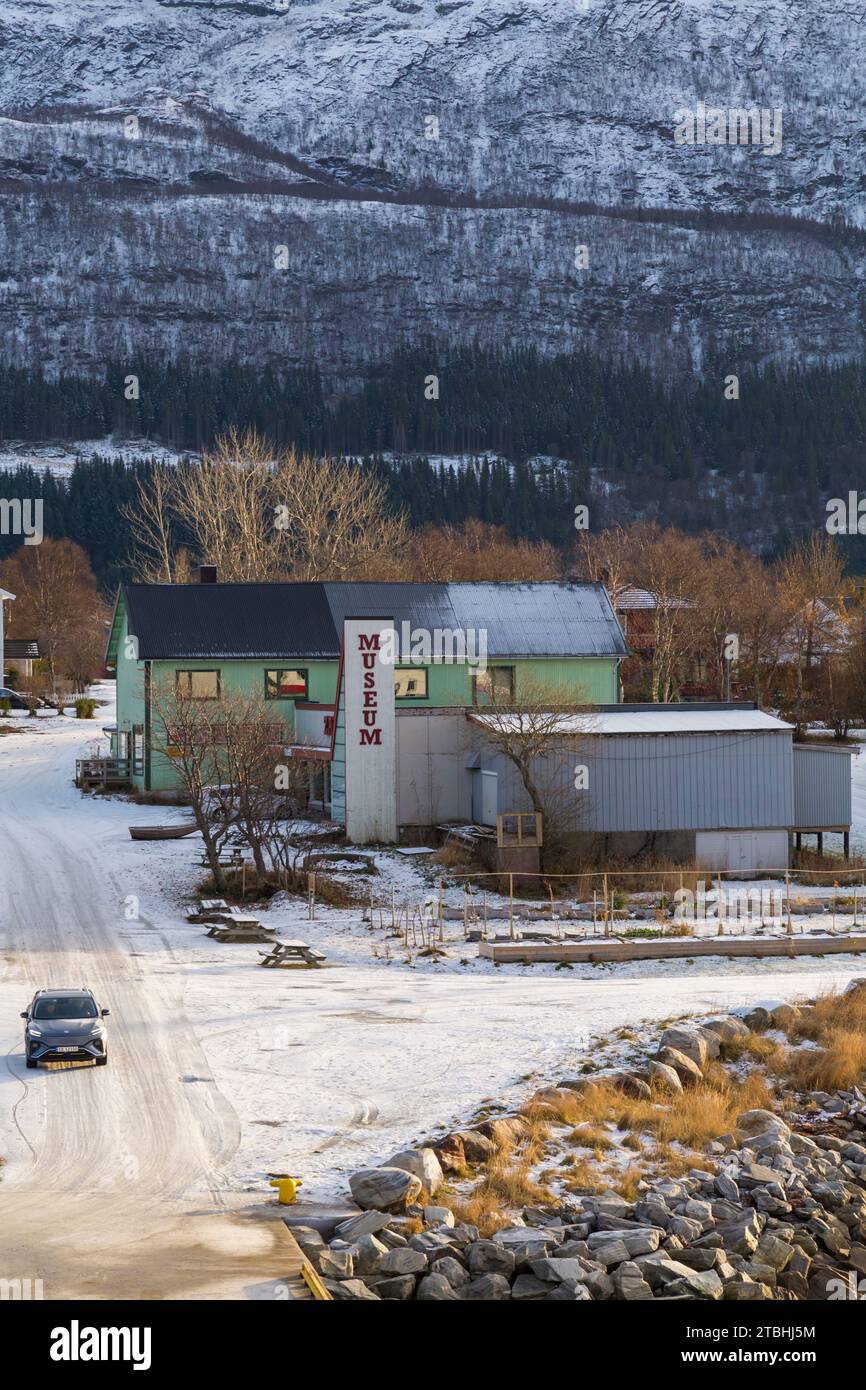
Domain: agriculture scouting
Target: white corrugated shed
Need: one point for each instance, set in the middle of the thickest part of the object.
(656, 719)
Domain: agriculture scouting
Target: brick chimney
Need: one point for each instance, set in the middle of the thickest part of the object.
(207, 574)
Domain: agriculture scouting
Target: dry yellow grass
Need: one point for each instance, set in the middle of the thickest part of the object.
(831, 1011)
(699, 1114)
(589, 1136)
(627, 1182)
(763, 1050)
(585, 1178)
(836, 1066)
(507, 1183)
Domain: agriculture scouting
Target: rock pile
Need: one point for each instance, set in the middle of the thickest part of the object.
(781, 1216)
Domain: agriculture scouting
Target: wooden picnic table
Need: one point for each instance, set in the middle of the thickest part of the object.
(234, 861)
(290, 953)
(225, 917)
(234, 931)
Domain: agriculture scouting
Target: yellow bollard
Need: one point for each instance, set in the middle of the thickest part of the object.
(287, 1189)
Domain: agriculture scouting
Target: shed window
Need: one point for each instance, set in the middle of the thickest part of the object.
(410, 683)
(138, 749)
(198, 685)
(286, 685)
(495, 686)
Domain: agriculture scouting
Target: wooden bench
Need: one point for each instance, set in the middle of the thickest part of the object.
(291, 953)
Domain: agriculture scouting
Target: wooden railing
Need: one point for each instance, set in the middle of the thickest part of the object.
(102, 772)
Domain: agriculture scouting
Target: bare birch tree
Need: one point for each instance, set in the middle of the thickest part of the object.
(259, 515)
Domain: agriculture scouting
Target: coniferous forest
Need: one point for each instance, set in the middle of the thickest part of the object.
(542, 435)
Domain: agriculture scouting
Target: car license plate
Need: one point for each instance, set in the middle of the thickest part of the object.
(67, 1049)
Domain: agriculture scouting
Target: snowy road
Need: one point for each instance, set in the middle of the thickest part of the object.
(132, 1180)
(112, 1157)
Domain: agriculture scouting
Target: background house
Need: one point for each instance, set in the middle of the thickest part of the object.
(21, 653)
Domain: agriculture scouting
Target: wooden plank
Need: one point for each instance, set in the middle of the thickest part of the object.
(677, 948)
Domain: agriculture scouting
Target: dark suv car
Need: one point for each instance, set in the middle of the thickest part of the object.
(64, 1025)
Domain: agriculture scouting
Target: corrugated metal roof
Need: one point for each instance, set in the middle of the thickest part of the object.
(631, 599)
(540, 619)
(657, 719)
(250, 621)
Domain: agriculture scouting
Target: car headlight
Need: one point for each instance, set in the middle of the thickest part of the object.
(33, 1032)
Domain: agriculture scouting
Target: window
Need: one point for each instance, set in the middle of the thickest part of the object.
(198, 685)
(495, 686)
(138, 749)
(410, 683)
(518, 828)
(285, 685)
(65, 1006)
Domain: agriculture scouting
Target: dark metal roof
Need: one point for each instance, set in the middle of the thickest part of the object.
(267, 621)
(224, 622)
(22, 648)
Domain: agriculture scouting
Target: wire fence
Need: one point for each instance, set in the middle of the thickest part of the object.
(685, 903)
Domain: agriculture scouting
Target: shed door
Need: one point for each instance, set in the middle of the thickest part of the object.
(485, 796)
(744, 851)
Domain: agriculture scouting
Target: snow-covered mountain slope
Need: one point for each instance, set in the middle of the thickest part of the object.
(157, 153)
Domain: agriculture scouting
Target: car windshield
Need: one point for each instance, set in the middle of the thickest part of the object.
(65, 1006)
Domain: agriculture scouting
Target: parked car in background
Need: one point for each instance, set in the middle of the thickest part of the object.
(19, 700)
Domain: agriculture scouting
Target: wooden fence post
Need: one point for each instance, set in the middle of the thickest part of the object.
(788, 900)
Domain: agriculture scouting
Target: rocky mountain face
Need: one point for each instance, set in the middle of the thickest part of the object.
(286, 181)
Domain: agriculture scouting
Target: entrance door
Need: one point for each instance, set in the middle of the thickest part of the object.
(485, 796)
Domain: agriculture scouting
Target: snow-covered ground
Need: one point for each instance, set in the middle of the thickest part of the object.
(311, 1072)
(60, 458)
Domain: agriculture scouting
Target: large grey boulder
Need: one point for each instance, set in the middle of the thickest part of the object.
(384, 1188)
(660, 1074)
(629, 1284)
(639, 1241)
(370, 1254)
(452, 1270)
(754, 1122)
(424, 1164)
(477, 1148)
(336, 1264)
(569, 1293)
(557, 1270)
(728, 1028)
(351, 1289)
(487, 1287)
(438, 1216)
(688, 1071)
(611, 1254)
(697, 1284)
(398, 1286)
(365, 1223)
(688, 1041)
(403, 1262)
(434, 1288)
(486, 1257)
(527, 1286)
